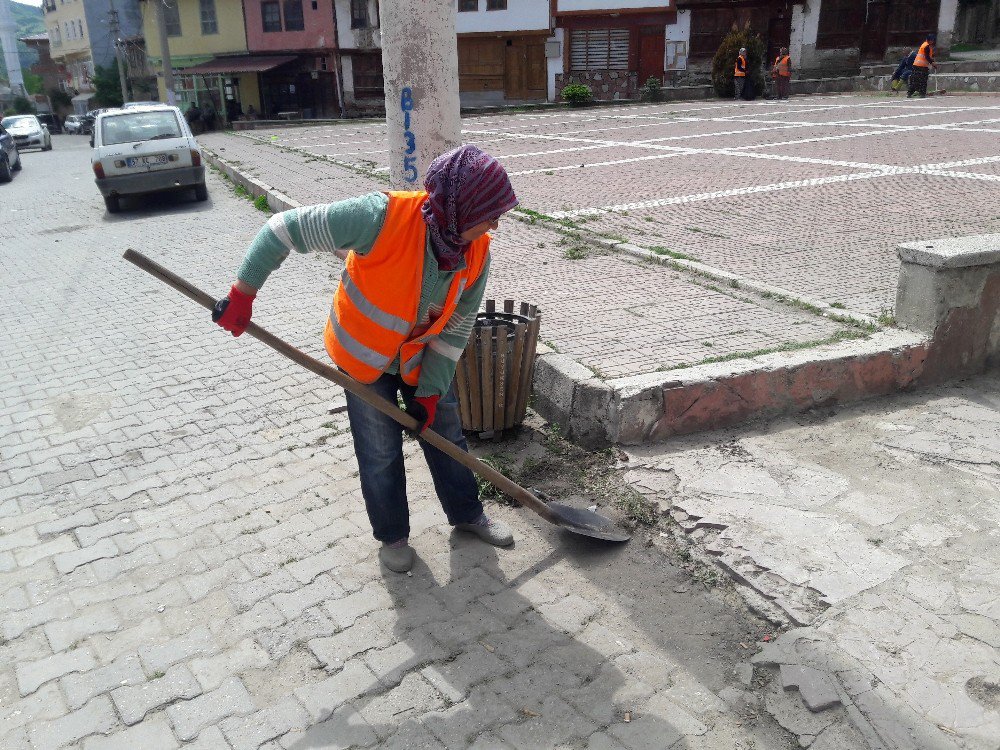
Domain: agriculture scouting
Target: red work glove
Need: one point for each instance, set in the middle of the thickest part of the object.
(233, 312)
(423, 409)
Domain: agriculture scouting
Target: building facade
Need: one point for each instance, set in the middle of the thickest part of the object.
(613, 46)
(69, 46)
(45, 67)
(359, 56)
(307, 86)
(501, 51)
(825, 37)
(208, 53)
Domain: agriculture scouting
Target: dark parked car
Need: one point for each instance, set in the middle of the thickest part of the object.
(10, 159)
(50, 121)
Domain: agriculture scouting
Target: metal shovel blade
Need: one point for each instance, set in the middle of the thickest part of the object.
(588, 523)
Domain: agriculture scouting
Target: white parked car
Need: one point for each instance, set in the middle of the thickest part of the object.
(73, 124)
(28, 132)
(145, 150)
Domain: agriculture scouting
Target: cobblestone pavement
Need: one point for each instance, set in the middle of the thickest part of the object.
(875, 531)
(185, 560)
(811, 196)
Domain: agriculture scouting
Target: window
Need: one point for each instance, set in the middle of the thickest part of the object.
(359, 14)
(496, 4)
(466, 5)
(79, 29)
(369, 82)
(172, 18)
(598, 49)
(293, 16)
(209, 22)
(270, 13)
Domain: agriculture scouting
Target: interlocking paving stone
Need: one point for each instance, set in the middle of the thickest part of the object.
(229, 699)
(153, 734)
(32, 675)
(80, 688)
(97, 717)
(134, 702)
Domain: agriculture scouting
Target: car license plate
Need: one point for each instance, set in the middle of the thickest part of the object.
(143, 161)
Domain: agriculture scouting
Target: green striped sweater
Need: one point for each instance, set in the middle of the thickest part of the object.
(355, 224)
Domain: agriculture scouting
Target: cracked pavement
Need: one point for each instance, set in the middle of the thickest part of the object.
(871, 530)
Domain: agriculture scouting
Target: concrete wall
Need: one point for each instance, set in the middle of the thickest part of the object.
(230, 39)
(521, 15)
(348, 38)
(554, 65)
(317, 34)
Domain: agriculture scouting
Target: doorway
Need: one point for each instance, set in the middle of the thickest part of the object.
(873, 44)
(652, 53)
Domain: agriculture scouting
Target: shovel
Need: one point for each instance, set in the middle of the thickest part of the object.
(577, 520)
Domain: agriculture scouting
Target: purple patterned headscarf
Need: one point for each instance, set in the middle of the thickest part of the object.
(465, 187)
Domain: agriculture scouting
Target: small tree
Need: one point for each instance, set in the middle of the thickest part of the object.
(107, 88)
(724, 62)
(23, 106)
(61, 101)
(32, 83)
(652, 90)
(577, 94)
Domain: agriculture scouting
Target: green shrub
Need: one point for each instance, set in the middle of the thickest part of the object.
(23, 106)
(577, 94)
(260, 203)
(725, 61)
(651, 90)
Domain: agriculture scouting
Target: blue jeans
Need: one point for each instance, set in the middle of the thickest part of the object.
(378, 445)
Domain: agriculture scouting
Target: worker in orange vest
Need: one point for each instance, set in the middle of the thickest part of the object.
(415, 269)
(922, 65)
(740, 73)
(781, 72)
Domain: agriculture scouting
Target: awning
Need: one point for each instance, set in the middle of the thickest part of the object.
(245, 64)
(85, 97)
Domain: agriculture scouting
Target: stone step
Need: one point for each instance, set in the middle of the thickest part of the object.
(948, 82)
(947, 66)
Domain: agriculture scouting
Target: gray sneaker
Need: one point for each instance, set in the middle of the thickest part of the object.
(397, 557)
(496, 533)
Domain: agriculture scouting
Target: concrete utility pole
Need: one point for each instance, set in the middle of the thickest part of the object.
(116, 38)
(168, 66)
(420, 62)
(8, 41)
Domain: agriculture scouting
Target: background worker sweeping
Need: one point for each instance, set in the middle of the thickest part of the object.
(901, 76)
(416, 266)
(922, 64)
(740, 73)
(782, 72)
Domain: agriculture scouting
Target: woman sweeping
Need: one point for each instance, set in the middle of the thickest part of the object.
(416, 265)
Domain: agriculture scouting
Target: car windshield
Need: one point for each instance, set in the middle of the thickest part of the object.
(140, 126)
(10, 122)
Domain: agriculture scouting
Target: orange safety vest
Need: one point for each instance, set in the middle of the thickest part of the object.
(924, 56)
(784, 66)
(736, 71)
(375, 306)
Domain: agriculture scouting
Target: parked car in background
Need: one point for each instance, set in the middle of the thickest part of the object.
(50, 121)
(133, 105)
(28, 132)
(10, 159)
(145, 150)
(74, 124)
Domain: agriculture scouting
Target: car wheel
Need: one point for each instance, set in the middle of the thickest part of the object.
(201, 192)
(18, 165)
(112, 203)
(5, 174)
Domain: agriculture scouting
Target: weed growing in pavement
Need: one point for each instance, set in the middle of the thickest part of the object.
(838, 305)
(489, 491)
(886, 317)
(635, 507)
(790, 346)
(260, 203)
(575, 252)
(242, 192)
(699, 230)
(551, 346)
(660, 250)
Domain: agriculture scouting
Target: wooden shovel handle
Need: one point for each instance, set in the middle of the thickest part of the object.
(348, 383)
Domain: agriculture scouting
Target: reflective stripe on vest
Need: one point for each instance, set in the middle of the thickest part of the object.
(923, 58)
(784, 65)
(737, 72)
(375, 307)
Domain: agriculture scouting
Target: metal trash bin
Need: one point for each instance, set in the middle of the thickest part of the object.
(494, 374)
